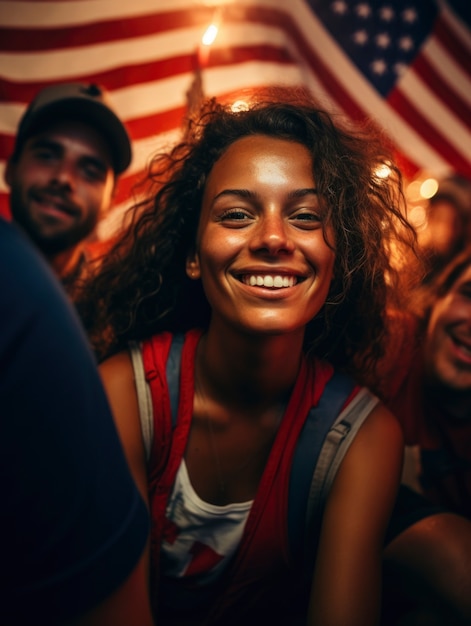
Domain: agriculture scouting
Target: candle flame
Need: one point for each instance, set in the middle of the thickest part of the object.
(209, 35)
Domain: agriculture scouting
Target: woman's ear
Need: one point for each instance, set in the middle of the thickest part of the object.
(193, 266)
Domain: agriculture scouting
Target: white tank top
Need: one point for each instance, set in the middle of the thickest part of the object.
(200, 538)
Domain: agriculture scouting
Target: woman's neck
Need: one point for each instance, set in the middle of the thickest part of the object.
(249, 368)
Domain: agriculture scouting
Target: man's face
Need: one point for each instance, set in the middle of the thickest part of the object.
(60, 184)
(448, 346)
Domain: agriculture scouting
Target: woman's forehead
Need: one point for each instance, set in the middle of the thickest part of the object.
(255, 147)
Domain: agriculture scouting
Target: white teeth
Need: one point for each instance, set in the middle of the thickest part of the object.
(270, 281)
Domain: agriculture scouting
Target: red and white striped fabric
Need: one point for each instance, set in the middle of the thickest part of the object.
(145, 53)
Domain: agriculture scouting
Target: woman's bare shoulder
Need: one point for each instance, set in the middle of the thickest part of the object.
(118, 378)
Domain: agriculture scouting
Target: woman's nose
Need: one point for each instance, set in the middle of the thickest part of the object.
(272, 235)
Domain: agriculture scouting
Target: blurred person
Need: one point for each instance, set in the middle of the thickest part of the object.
(74, 526)
(263, 248)
(69, 151)
(447, 227)
(428, 387)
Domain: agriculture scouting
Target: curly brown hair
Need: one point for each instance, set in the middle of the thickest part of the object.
(141, 287)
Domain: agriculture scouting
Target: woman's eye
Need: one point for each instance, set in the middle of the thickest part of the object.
(307, 219)
(236, 215)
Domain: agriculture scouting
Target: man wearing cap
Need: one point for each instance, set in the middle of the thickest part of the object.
(70, 149)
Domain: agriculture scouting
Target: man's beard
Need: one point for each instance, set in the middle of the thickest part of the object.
(50, 245)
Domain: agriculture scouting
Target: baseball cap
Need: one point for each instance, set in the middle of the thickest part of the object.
(88, 103)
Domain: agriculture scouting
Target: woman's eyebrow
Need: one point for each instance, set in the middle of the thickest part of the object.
(241, 193)
(246, 193)
(300, 193)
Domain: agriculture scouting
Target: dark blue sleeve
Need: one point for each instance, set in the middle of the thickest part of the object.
(72, 522)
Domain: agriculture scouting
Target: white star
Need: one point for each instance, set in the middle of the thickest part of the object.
(383, 40)
(360, 37)
(363, 9)
(400, 68)
(406, 43)
(386, 13)
(340, 7)
(409, 15)
(379, 66)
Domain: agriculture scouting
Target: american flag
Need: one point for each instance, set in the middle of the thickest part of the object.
(406, 64)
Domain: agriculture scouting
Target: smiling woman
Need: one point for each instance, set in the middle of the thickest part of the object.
(263, 250)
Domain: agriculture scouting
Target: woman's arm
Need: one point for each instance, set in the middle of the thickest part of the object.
(346, 588)
(118, 379)
(131, 603)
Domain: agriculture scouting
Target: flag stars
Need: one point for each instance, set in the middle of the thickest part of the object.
(363, 10)
(339, 7)
(360, 37)
(406, 44)
(409, 15)
(379, 67)
(386, 13)
(383, 40)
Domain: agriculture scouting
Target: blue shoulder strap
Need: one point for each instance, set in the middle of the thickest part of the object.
(307, 451)
(173, 374)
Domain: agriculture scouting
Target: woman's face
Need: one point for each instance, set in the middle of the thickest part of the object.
(448, 346)
(261, 251)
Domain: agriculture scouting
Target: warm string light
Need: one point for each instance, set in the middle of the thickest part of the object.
(383, 171)
(418, 193)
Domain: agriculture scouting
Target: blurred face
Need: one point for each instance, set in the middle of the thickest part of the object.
(448, 349)
(444, 226)
(261, 251)
(60, 184)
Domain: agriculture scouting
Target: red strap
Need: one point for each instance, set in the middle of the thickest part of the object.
(154, 355)
(168, 444)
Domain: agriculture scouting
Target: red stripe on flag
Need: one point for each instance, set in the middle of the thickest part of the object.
(135, 74)
(118, 78)
(434, 137)
(150, 125)
(453, 44)
(443, 91)
(63, 37)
